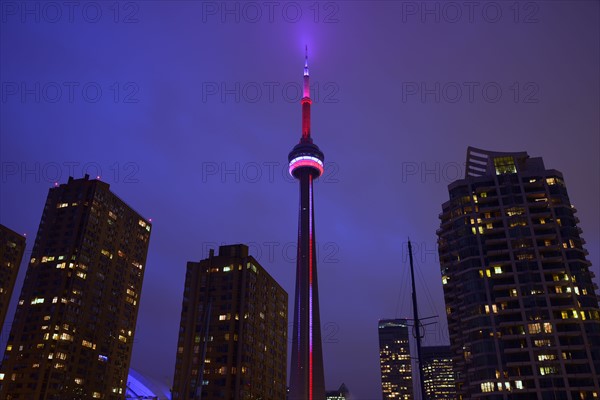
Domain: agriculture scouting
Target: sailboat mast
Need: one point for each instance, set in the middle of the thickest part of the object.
(417, 324)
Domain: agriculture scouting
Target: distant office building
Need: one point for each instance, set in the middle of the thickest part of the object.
(341, 394)
(522, 308)
(394, 357)
(438, 373)
(233, 332)
(73, 330)
(12, 247)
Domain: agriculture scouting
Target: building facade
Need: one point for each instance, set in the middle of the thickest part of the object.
(395, 361)
(342, 393)
(522, 309)
(438, 373)
(73, 330)
(233, 333)
(12, 247)
(307, 377)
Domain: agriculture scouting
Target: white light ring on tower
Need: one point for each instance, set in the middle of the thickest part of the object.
(306, 161)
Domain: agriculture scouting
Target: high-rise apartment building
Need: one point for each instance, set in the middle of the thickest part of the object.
(12, 247)
(395, 361)
(233, 332)
(73, 330)
(522, 309)
(438, 373)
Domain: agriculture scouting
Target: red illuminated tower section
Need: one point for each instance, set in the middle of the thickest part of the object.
(307, 380)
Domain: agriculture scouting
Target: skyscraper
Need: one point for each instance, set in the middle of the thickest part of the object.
(233, 332)
(394, 357)
(73, 330)
(12, 247)
(307, 380)
(522, 310)
(438, 373)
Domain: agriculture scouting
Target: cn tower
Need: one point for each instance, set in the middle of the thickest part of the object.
(307, 381)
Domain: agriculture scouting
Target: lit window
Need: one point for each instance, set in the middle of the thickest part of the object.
(515, 211)
(252, 267)
(535, 328)
(487, 387)
(107, 253)
(547, 370)
(505, 165)
(519, 385)
(66, 336)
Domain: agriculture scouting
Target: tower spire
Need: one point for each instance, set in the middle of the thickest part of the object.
(306, 61)
(306, 102)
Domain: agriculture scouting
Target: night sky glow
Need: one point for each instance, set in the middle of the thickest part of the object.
(188, 109)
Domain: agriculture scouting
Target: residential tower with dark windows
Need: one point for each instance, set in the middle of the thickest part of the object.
(522, 309)
(73, 330)
(233, 332)
(12, 247)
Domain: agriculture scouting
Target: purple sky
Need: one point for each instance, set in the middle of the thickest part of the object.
(198, 109)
